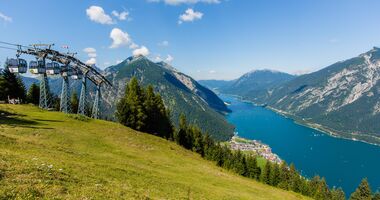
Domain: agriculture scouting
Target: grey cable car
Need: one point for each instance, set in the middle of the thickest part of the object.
(66, 71)
(37, 67)
(17, 65)
(77, 74)
(52, 68)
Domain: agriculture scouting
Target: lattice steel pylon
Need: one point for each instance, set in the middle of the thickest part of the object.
(82, 98)
(44, 99)
(96, 106)
(65, 95)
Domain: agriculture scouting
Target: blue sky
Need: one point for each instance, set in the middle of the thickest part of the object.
(207, 39)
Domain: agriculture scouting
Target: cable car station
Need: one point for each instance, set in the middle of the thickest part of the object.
(60, 64)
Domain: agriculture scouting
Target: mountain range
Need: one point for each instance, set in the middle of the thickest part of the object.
(180, 92)
(341, 99)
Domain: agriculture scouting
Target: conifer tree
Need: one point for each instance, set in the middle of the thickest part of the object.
(165, 127)
(74, 102)
(208, 147)
(266, 174)
(284, 176)
(11, 86)
(253, 171)
(295, 180)
(197, 140)
(363, 192)
(376, 196)
(181, 137)
(275, 176)
(322, 190)
(33, 95)
(130, 110)
(337, 194)
(152, 121)
(238, 162)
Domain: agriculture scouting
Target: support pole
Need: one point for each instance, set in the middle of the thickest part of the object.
(96, 106)
(82, 98)
(65, 95)
(44, 99)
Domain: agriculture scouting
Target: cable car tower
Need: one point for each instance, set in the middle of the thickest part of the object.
(63, 64)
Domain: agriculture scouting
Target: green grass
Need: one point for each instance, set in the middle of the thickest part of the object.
(50, 155)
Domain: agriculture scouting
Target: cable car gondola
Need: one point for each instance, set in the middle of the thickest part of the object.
(37, 67)
(76, 74)
(66, 71)
(16, 65)
(52, 68)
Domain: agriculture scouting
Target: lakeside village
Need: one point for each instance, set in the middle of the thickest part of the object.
(258, 148)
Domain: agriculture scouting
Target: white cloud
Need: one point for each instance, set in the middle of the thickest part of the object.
(189, 16)
(142, 51)
(212, 72)
(91, 52)
(169, 59)
(164, 43)
(133, 46)
(121, 16)
(179, 2)
(5, 18)
(97, 14)
(119, 38)
(91, 61)
(157, 58)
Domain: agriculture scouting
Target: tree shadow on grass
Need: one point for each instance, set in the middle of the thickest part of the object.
(48, 120)
(13, 119)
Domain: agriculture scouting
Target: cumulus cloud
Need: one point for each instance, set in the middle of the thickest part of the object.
(119, 38)
(189, 16)
(121, 15)
(157, 58)
(169, 59)
(133, 46)
(5, 18)
(91, 52)
(179, 2)
(142, 51)
(97, 14)
(91, 61)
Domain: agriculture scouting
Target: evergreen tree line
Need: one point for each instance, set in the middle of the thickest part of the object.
(277, 175)
(142, 109)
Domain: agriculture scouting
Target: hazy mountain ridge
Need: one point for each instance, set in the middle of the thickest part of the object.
(342, 98)
(251, 85)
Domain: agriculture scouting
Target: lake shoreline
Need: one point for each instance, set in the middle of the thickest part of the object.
(321, 128)
(315, 126)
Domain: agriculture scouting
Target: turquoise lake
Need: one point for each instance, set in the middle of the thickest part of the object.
(342, 162)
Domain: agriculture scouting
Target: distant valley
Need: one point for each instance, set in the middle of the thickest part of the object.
(341, 99)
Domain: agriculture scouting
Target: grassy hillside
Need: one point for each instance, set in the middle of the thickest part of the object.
(53, 155)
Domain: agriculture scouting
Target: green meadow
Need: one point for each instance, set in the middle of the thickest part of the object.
(51, 155)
